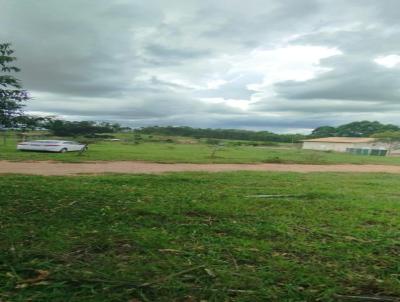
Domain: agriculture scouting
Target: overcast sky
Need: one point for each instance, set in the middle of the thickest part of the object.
(279, 65)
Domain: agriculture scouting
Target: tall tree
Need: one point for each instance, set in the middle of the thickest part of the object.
(358, 129)
(364, 128)
(324, 131)
(12, 95)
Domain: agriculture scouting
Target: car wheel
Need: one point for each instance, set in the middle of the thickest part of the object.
(63, 150)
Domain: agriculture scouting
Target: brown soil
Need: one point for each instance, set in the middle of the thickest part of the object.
(56, 168)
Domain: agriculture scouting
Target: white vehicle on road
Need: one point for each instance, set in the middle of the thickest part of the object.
(51, 146)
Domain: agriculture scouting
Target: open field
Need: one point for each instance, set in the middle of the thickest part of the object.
(194, 236)
(195, 152)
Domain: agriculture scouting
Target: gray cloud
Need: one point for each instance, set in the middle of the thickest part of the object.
(152, 62)
(323, 106)
(350, 79)
(148, 105)
(235, 88)
(174, 55)
(354, 75)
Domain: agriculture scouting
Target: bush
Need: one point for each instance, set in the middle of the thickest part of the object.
(67, 128)
(94, 135)
(212, 141)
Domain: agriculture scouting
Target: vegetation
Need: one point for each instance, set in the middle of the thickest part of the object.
(233, 134)
(392, 135)
(184, 150)
(27, 122)
(66, 128)
(354, 129)
(390, 138)
(76, 128)
(188, 237)
(12, 96)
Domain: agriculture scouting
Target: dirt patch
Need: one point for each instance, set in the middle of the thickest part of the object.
(55, 168)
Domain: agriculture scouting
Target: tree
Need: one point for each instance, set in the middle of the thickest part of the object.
(324, 131)
(357, 129)
(391, 138)
(364, 128)
(12, 95)
(67, 128)
(234, 134)
(31, 121)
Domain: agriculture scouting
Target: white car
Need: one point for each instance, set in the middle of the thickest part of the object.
(51, 146)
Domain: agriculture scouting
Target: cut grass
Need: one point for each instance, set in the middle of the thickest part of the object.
(194, 236)
(194, 153)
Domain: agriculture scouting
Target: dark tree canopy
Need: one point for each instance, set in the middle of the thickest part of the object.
(324, 131)
(234, 134)
(12, 95)
(67, 128)
(31, 121)
(364, 128)
(354, 129)
(358, 129)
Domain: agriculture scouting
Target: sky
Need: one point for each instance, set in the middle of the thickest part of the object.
(277, 65)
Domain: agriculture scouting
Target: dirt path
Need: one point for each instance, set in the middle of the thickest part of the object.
(55, 168)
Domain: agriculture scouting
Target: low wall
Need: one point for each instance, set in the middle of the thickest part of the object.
(341, 147)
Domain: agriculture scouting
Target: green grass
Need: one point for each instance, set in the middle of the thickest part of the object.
(194, 153)
(193, 237)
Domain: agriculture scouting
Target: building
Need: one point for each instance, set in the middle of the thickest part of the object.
(395, 152)
(357, 145)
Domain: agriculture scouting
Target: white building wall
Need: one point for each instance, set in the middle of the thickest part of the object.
(340, 147)
(395, 153)
(325, 146)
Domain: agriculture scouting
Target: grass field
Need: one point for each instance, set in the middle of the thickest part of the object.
(193, 237)
(194, 152)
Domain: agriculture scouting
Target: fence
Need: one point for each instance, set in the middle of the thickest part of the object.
(367, 151)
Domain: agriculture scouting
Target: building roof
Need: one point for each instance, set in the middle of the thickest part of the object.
(342, 140)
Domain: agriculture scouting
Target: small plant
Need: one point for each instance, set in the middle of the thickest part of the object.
(212, 141)
(137, 138)
(214, 150)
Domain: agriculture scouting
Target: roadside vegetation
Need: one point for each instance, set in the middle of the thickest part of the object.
(355, 129)
(194, 236)
(171, 149)
(235, 134)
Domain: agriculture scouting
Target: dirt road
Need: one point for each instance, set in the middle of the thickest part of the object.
(56, 168)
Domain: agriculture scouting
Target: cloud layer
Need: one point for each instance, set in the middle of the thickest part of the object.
(282, 65)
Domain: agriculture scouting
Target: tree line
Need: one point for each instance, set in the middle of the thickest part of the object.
(233, 134)
(354, 129)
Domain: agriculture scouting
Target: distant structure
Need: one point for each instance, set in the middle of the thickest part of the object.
(355, 145)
